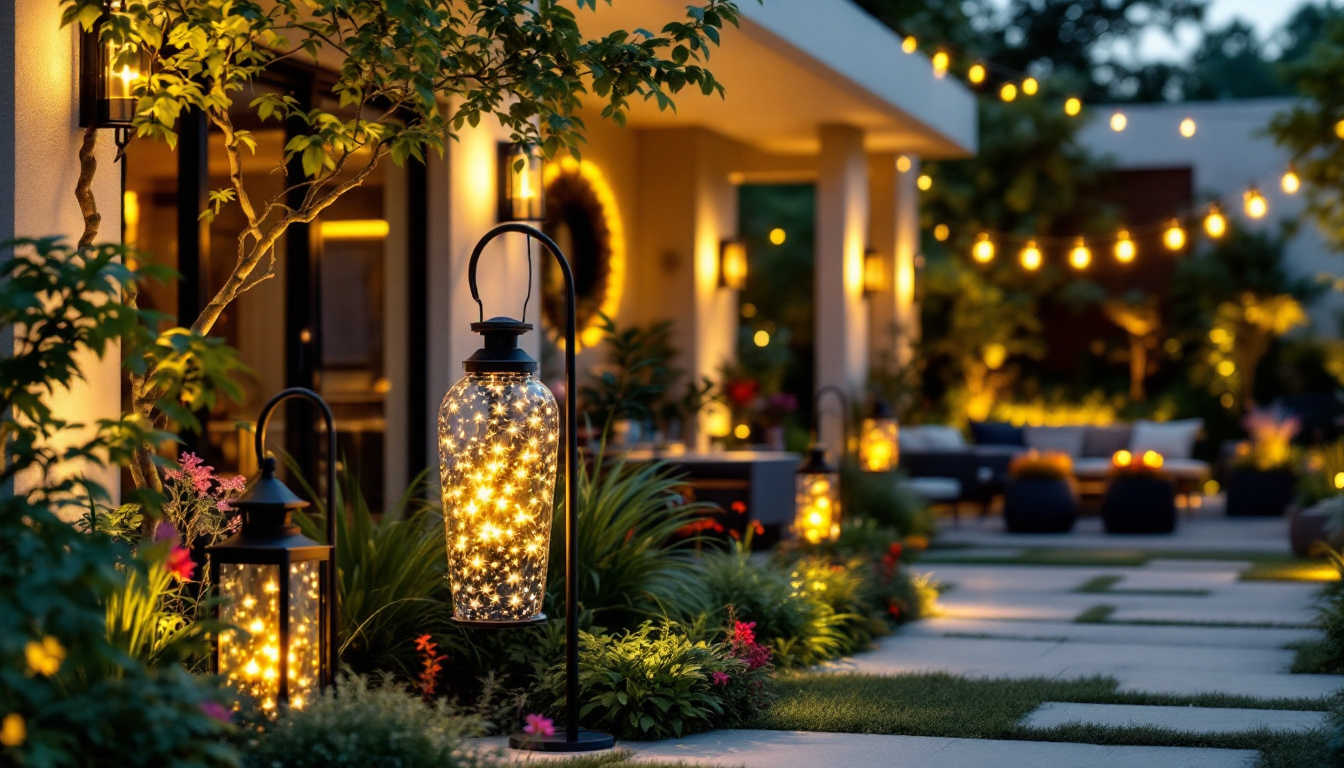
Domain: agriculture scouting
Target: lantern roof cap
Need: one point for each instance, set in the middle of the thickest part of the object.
(499, 352)
(882, 409)
(816, 463)
(267, 490)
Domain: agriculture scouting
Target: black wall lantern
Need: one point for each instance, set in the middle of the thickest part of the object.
(817, 514)
(108, 74)
(521, 183)
(499, 435)
(733, 264)
(278, 585)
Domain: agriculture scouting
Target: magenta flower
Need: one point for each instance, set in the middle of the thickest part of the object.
(539, 725)
(216, 711)
(719, 678)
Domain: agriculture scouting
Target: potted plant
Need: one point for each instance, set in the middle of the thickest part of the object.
(1320, 501)
(1140, 497)
(1264, 475)
(1040, 495)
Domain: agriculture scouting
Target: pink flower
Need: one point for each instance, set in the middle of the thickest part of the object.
(539, 725)
(179, 563)
(216, 711)
(235, 484)
(719, 678)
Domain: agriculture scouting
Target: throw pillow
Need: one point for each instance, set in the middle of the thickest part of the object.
(996, 433)
(1172, 439)
(1067, 440)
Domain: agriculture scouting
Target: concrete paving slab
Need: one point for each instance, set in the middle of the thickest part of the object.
(1204, 529)
(1179, 682)
(1184, 719)
(1117, 634)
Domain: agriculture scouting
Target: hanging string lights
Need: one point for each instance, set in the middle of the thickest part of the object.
(1031, 257)
(1080, 257)
(1008, 92)
(1124, 247)
(1072, 106)
(940, 62)
(983, 250)
(976, 74)
(1188, 127)
(1119, 121)
(1290, 182)
(1174, 236)
(1256, 205)
(1215, 224)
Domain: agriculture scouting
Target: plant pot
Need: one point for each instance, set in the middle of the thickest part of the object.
(1307, 526)
(1253, 493)
(1139, 505)
(1039, 506)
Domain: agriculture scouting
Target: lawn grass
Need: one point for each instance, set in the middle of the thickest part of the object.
(951, 706)
(618, 758)
(1106, 585)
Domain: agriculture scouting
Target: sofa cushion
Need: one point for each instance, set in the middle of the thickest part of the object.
(1068, 440)
(1172, 439)
(996, 433)
(1091, 468)
(931, 437)
(934, 488)
(1105, 441)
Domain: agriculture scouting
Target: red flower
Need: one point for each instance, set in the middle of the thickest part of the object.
(895, 550)
(179, 563)
(719, 678)
(742, 392)
(894, 610)
(432, 662)
(740, 507)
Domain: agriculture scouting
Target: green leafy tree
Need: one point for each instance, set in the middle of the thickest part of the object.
(410, 74)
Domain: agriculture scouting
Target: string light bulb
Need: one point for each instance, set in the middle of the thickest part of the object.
(983, 250)
(1119, 121)
(1124, 247)
(903, 164)
(1188, 127)
(1339, 129)
(1256, 205)
(941, 233)
(976, 74)
(1031, 256)
(1008, 92)
(1030, 86)
(1291, 182)
(1215, 224)
(940, 62)
(924, 182)
(1080, 257)
(1174, 236)
(909, 44)
(1072, 106)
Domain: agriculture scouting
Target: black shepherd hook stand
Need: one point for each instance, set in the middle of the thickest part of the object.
(843, 448)
(262, 422)
(574, 740)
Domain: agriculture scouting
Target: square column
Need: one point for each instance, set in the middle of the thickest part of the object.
(894, 316)
(841, 314)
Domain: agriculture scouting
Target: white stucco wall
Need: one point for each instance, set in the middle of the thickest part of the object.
(45, 166)
(1227, 153)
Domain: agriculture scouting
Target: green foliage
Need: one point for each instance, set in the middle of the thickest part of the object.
(1324, 464)
(1330, 618)
(635, 376)
(846, 589)
(883, 498)
(83, 700)
(146, 617)
(366, 725)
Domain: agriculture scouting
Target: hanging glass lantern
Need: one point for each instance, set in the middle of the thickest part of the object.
(879, 449)
(275, 584)
(108, 74)
(499, 430)
(818, 499)
(521, 183)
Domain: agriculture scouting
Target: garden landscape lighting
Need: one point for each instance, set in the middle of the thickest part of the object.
(733, 265)
(108, 75)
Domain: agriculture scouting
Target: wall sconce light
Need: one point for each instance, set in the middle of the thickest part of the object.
(733, 264)
(522, 189)
(817, 517)
(499, 434)
(879, 447)
(278, 585)
(108, 74)
(875, 278)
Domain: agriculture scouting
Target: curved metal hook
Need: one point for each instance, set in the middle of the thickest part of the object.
(535, 234)
(264, 420)
(840, 395)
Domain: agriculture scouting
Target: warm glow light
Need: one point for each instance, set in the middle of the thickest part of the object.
(818, 501)
(778, 236)
(1030, 86)
(130, 217)
(976, 74)
(940, 62)
(909, 44)
(761, 338)
(1215, 224)
(1124, 247)
(995, 355)
(1174, 236)
(1122, 458)
(903, 164)
(742, 431)
(354, 229)
(1291, 183)
(1080, 257)
(1188, 127)
(878, 444)
(1339, 129)
(983, 250)
(941, 233)
(591, 334)
(1119, 121)
(925, 182)
(733, 265)
(1152, 459)
(1008, 92)
(250, 659)
(874, 273)
(1031, 256)
(1339, 480)
(1072, 106)
(1256, 205)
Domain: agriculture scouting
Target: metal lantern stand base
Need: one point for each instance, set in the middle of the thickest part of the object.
(588, 741)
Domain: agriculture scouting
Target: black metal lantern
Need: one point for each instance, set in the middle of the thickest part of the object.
(818, 506)
(521, 183)
(879, 447)
(278, 586)
(499, 435)
(733, 264)
(108, 75)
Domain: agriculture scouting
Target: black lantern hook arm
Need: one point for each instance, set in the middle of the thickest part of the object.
(571, 459)
(315, 399)
(840, 395)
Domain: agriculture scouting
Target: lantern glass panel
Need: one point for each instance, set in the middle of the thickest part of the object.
(879, 449)
(818, 504)
(250, 660)
(498, 440)
(120, 69)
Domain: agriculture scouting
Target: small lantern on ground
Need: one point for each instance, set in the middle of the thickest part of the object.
(818, 500)
(879, 449)
(277, 587)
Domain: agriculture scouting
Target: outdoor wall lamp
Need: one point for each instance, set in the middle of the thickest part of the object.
(879, 447)
(108, 74)
(278, 585)
(874, 273)
(522, 190)
(817, 517)
(733, 264)
(499, 434)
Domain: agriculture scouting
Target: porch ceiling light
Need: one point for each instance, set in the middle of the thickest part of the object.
(733, 264)
(109, 73)
(521, 185)
(499, 435)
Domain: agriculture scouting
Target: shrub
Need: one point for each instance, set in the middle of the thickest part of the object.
(1037, 465)
(846, 589)
(882, 497)
(364, 725)
(1330, 618)
(1324, 464)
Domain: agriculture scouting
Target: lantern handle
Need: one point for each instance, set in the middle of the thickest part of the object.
(264, 420)
(844, 418)
(532, 234)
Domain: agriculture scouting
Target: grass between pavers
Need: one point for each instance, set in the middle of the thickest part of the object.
(1097, 614)
(619, 758)
(1101, 614)
(1106, 585)
(957, 707)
